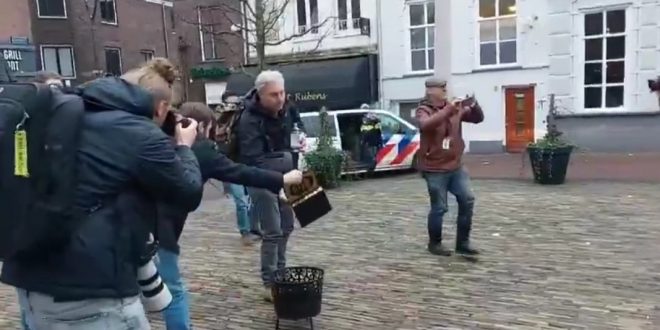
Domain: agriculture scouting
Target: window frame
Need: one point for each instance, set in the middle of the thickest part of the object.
(202, 33)
(497, 18)
(603, 83)
(57, 47)
(343, 25)
(401, 124)
(425, 26)
(148, 53)
(308, 18)
(118, 49)
(313, 131)
(39, 15)
(114, 9)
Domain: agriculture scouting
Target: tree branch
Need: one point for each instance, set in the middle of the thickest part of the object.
(301, 34)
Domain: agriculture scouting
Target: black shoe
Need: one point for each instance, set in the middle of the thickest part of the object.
(438, 250)
(466, 249)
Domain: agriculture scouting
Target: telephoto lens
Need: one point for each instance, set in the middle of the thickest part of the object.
(154, 293)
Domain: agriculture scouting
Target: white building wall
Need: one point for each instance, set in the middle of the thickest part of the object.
(567, 55)
(399, 84)
(330, 36)
(459, 62)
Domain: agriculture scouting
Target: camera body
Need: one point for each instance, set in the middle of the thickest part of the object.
(155, 295)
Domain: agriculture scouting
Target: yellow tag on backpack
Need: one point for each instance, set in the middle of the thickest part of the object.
(20, 154)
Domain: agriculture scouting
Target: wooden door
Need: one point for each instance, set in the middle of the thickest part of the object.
(519, 104)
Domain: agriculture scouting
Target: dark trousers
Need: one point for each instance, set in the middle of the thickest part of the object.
(456, 182)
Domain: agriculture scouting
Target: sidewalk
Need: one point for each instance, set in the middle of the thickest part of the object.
(583, 166)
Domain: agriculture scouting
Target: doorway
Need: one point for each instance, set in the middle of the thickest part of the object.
(519, 113)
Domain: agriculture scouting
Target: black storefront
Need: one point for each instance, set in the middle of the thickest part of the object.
(340, 83)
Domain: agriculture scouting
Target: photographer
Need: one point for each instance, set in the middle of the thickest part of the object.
(125, 163)
(214, 165)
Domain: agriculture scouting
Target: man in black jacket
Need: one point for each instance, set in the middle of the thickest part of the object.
(214, 165)
(264, 138)
(125, 163)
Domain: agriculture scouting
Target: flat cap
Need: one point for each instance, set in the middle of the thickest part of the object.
(435, 82)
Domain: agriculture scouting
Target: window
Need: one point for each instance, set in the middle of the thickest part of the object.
(390, 125)
(407, 111)
(208, 31)
(307, 22)
(113, 61)
(346, 9)
(604, 59)
(422, 35)
(497, 32)
(51, 8)
(147, 55)
(108, 11)
(313, 125)
(58, 59)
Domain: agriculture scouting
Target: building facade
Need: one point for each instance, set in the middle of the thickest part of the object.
(17, 52)
(603, 54)
(513, 53)
(326, 50)
(81, 40)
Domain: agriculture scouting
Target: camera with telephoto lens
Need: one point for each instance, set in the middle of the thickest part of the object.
(155, 295)
(654, 85)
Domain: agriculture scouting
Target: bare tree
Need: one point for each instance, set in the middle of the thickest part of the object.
(258, 23)
(92, 8)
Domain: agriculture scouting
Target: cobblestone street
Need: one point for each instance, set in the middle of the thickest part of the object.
(577, 256)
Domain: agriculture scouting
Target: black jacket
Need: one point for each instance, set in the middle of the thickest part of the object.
(261, 136)
(214, 165)
(125, 163)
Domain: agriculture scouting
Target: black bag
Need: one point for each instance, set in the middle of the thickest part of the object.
(38, 149)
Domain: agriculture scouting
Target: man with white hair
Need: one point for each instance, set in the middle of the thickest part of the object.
(264, 140)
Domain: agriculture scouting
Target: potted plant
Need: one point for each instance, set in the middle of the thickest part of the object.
(325, 160)
(550, 155)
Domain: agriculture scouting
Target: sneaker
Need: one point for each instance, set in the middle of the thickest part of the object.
(267, 294)
(438, 249)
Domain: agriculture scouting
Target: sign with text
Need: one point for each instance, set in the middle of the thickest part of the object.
(20, 60)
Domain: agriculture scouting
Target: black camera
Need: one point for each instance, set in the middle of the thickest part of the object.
(171, 120)
(654, 85)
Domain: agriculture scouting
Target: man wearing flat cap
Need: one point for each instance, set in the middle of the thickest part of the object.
(439, 161)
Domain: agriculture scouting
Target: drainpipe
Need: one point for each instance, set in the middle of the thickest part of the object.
(379, 20)
(443, 29)
(165, 36)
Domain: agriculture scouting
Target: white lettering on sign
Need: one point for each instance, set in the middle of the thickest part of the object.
(13, 57)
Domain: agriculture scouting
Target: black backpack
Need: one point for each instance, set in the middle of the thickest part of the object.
(38, 147)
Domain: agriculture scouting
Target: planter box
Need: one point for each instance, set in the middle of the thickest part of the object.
(549, 166)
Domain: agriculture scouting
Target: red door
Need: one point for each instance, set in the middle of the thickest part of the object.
(519, 104)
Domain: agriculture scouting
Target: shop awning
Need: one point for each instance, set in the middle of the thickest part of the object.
(344, 83)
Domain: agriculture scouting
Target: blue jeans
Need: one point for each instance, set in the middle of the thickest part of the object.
(456, 182)
(177, 315)
(242, 203)
(42, 312)
(276, 219)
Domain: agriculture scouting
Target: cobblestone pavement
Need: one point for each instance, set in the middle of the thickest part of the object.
(578, 256)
